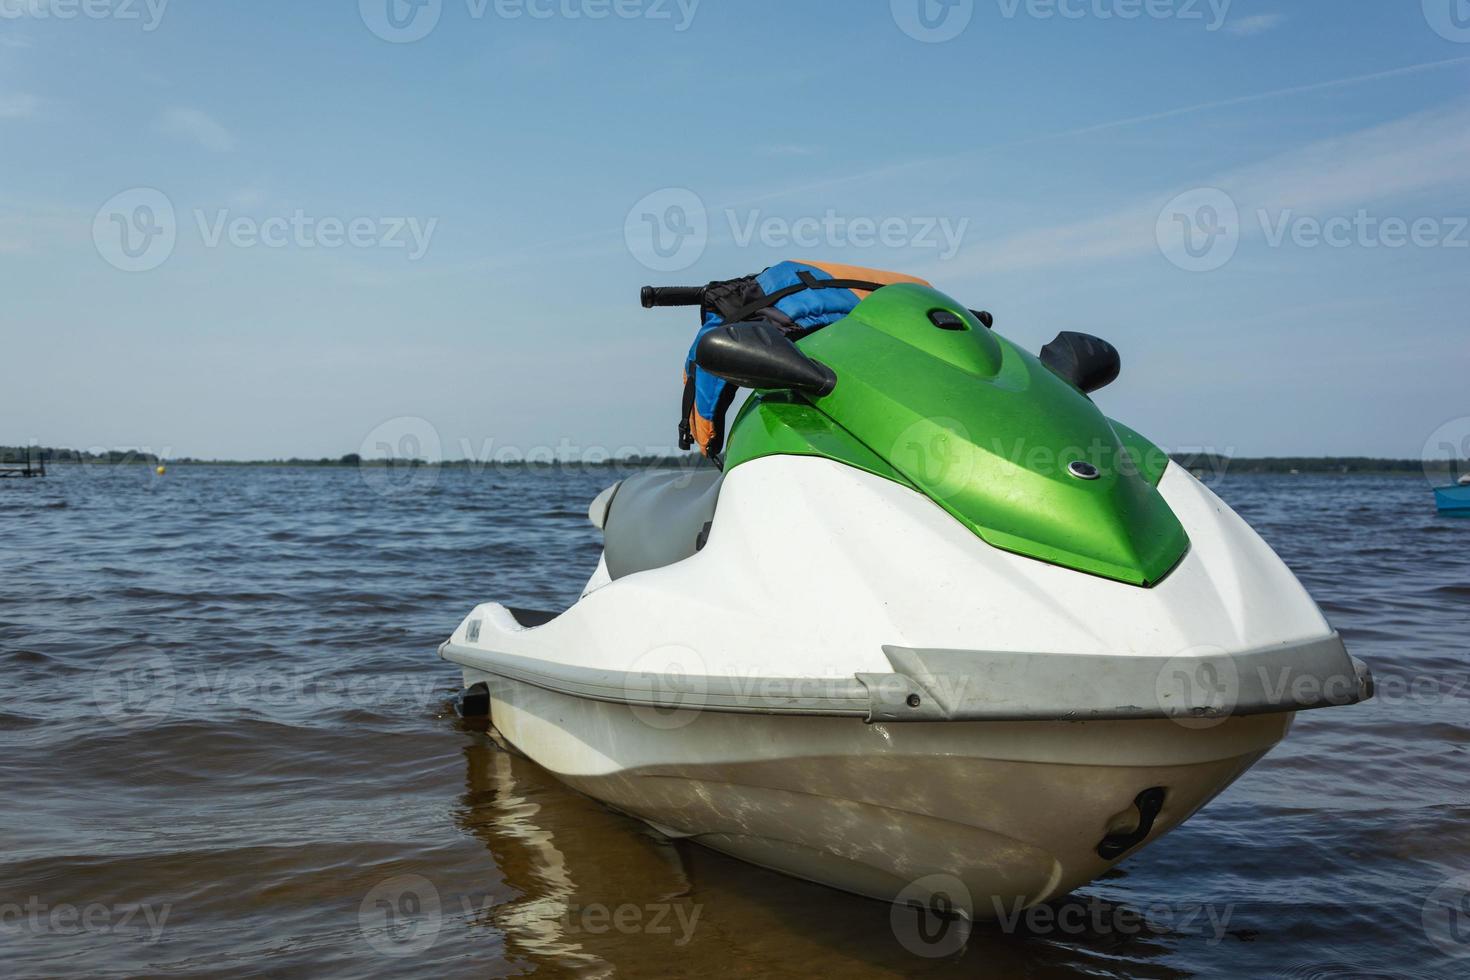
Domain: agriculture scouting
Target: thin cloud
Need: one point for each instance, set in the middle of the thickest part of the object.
(27, 228)
(1425, 151)
(18, 105)
(928, 163)
(1274, 94)
(1251, 26)
(789, 150)
(199, 127)
(250, 197)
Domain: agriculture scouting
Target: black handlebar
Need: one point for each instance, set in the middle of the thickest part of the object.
(672, 296)
(694, 296)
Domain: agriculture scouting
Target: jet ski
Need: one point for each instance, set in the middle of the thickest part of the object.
(931, 628)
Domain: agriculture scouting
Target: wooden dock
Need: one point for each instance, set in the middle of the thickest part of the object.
(33, 466)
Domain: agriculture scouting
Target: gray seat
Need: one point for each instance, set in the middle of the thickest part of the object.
(657, 517)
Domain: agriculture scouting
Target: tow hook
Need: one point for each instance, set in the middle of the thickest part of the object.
(1148, 803)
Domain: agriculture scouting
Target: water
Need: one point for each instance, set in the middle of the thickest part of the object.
(242, 811)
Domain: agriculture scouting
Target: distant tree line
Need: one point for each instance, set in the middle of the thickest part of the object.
(1216, 463)
(18, 454)
(1212, 462)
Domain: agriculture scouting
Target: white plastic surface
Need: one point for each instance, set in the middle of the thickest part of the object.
(813, 566)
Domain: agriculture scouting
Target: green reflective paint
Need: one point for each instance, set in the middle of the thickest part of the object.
(1149, 460)
(779, 423)
(985, 430)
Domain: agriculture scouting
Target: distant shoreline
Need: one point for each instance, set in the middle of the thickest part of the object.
(1285, 465)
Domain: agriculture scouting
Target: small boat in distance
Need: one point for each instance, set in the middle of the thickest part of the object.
(1454, 498)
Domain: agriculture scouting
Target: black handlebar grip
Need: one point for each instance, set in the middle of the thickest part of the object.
(672, 296)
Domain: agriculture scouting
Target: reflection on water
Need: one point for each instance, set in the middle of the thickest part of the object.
(275, 782)
(601, 894)
(516, 808)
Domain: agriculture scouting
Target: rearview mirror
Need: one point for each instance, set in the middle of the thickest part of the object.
(1085, 361)
(756, 354)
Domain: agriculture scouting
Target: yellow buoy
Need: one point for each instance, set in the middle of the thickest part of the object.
(161, 470)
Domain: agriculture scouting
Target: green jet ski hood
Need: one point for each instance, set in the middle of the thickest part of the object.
(984, 429)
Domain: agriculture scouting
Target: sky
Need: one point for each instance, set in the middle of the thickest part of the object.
(273, 229)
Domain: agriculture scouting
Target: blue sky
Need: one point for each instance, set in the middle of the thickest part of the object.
(501, 173)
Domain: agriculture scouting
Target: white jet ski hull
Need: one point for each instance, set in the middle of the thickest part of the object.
(951, 717)
(995, 816)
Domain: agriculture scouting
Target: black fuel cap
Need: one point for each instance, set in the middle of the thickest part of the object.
(1083, 470)
(945, 320)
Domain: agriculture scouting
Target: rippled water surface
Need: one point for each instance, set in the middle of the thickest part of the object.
(228, 741)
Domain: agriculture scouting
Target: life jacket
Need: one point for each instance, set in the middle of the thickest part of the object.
(799, 297)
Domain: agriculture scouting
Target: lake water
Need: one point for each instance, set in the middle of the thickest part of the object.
(243, 810)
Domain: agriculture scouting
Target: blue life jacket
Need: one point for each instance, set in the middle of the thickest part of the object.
(799, 297)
